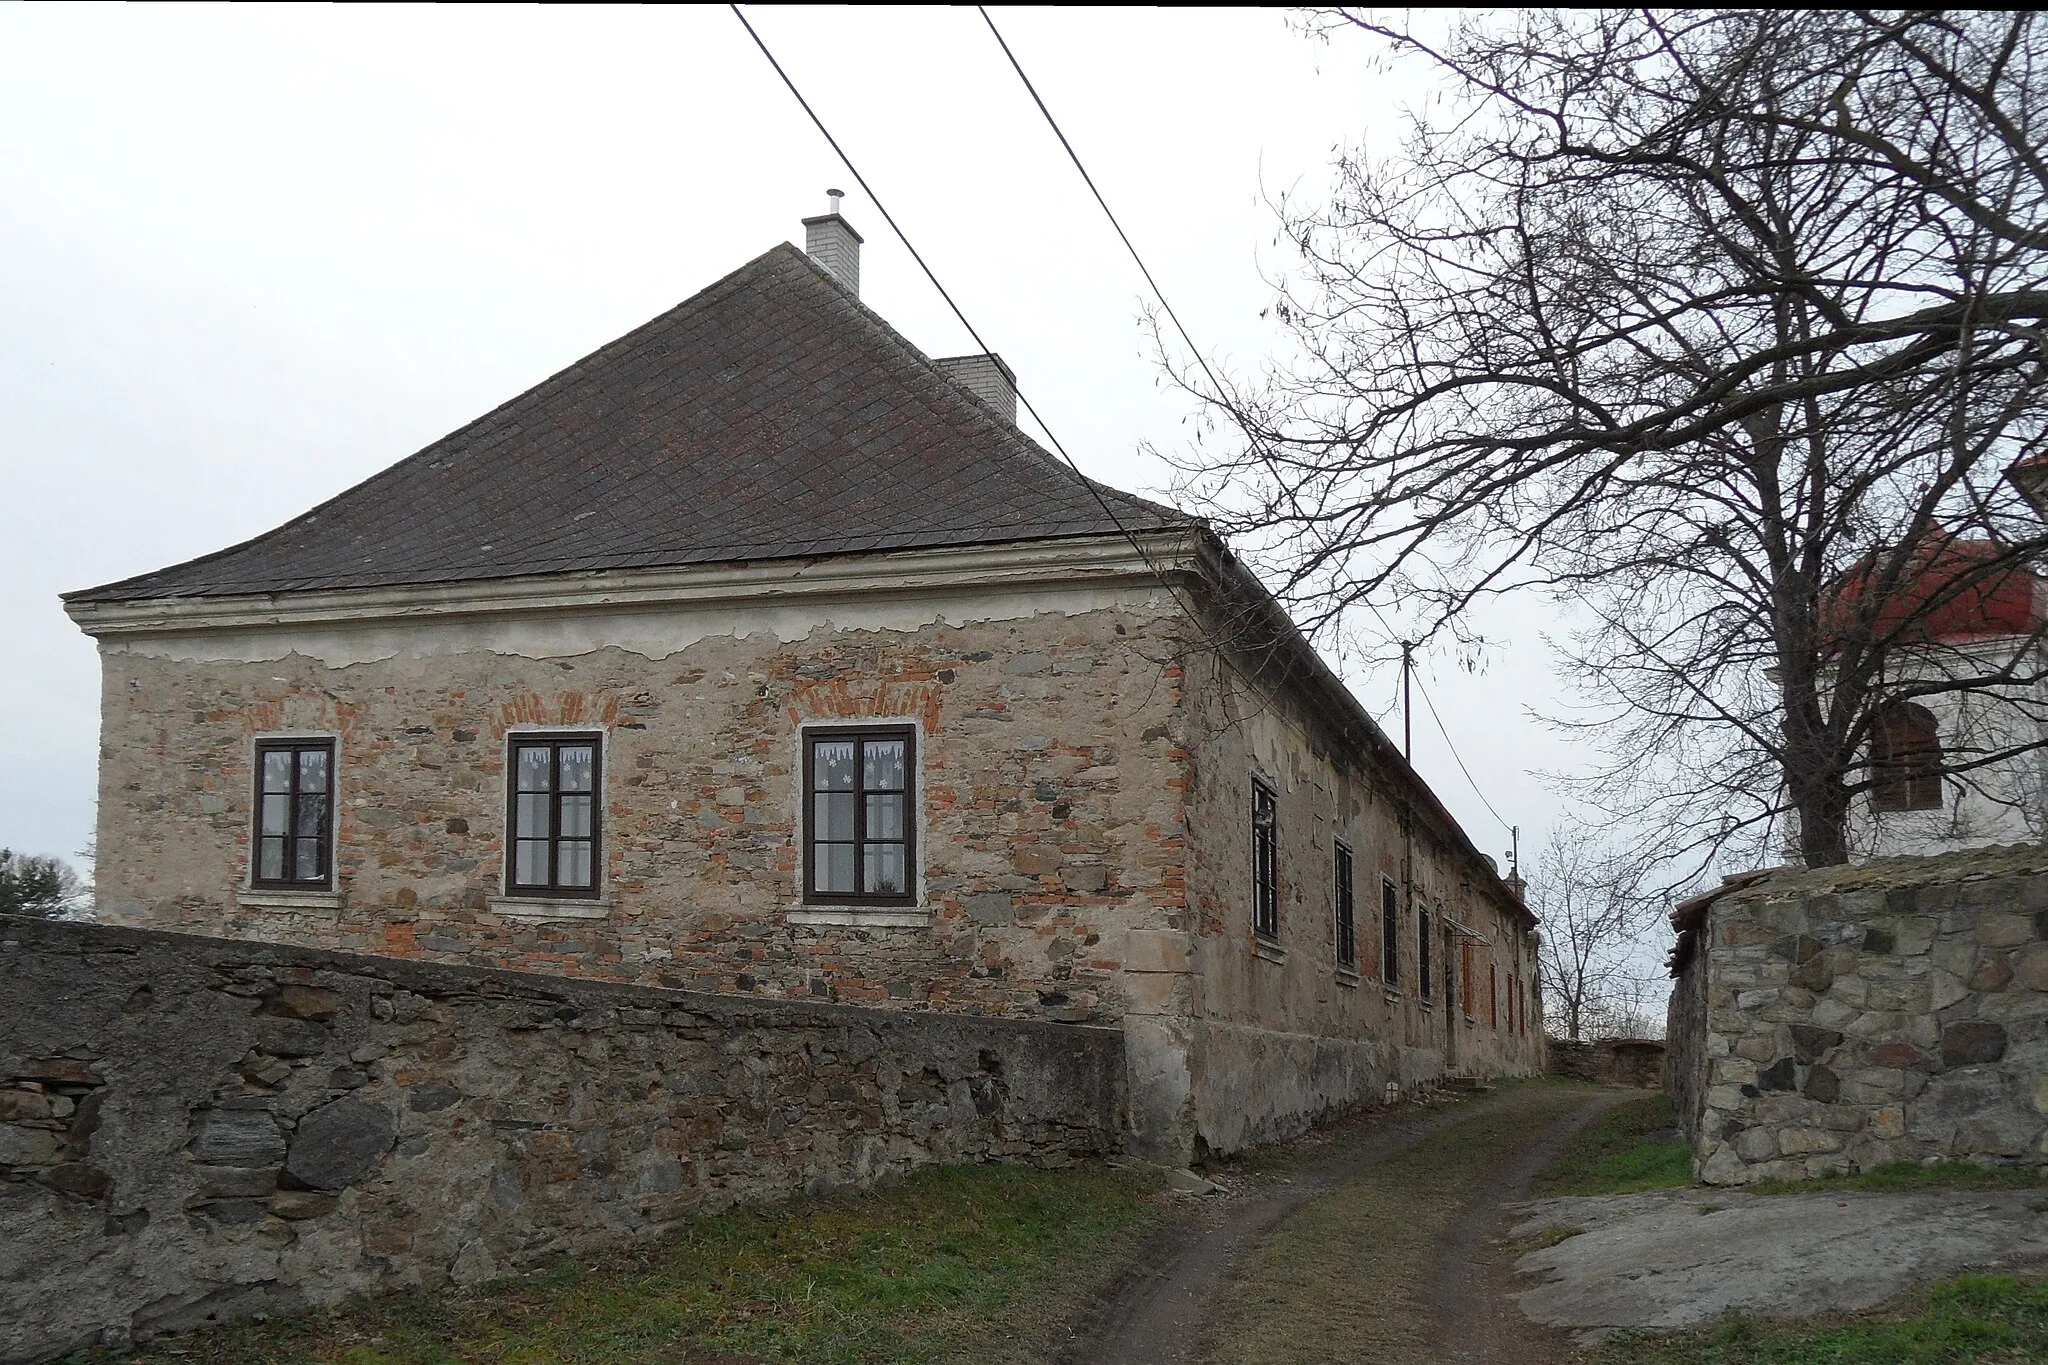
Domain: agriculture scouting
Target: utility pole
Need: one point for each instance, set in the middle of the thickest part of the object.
(1407, 703)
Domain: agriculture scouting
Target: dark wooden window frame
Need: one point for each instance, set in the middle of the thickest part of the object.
(1390, 931)
(324, 839)
(1265, 861)
(1422, 957)
(1345, 898)
(811, 736)
(1905, 759)
(555, 740)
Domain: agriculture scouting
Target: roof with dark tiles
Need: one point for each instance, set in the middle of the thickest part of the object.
(771, 416)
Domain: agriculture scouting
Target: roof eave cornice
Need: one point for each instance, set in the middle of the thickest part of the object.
(1305, 671)
(1077, 560)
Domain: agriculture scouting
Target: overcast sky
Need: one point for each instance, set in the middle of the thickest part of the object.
(250, 256)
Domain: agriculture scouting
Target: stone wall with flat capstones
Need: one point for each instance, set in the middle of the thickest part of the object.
(1855, 1017)
(195, 1130)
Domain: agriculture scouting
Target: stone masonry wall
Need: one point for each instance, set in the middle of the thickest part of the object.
(1896, 1011)
(1281, 1033)
(1685, 1041)
(1052, 772)
(194, 1129)
(1609, 1061)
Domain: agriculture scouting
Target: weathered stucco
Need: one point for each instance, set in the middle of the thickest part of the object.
(1084, 850)
(1283, 1034)
(1049, 784)
(196, 1130)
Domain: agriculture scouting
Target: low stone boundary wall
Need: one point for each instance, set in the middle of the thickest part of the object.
(1845, 1018)
(1609, 1061)
(198, 1129)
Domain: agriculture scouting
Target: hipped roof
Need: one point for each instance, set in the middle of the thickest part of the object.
(770, 416)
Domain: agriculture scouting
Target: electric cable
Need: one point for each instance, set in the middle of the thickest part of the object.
(1460, 759)
(1094, 489)
(1200, 359)
(1107, 212)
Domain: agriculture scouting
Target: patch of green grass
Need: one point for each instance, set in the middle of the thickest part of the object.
(965, 1264)
(1627, 1149)
(1342, 1280)
(1970, 1320)
(1908, 1175)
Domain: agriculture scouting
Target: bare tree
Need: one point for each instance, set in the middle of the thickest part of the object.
(1720, 326)
(1592, 923)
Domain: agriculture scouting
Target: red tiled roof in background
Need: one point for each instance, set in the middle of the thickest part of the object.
(1955, 590)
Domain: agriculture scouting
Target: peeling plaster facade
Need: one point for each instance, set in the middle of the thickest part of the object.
(1083, 790)
(766, 511)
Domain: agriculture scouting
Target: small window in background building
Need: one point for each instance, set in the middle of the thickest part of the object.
(555, 816)
(1465, 973)
(1905, 759)
(1347, 911)
(860, 844)
(1422, 949)
(1265, 861)
(1492, 996)
(294, 814)
(1390, 931)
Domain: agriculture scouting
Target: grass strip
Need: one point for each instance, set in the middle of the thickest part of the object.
(964, 1264)
(1342, 1279)
(1909, 1175)
(1970, 1320)
(1632, 1147)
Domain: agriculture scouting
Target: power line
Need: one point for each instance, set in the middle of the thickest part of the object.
(1075, 157)
(1093, 488)
(1200, 359)
(1460, 760)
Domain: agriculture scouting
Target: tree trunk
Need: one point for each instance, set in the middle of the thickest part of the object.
(1822, 805)
(1813, 771)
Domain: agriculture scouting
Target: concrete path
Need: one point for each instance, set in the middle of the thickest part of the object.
(1673, 1259)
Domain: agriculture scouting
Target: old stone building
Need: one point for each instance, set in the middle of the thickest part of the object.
(759, 653)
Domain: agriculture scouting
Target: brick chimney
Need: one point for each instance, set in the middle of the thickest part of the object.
(987, 378)
(833, 244)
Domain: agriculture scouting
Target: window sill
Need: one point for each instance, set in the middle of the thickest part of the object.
(1347, 977)
(1270, 951)
(540, 909)
(863, 916)
(262, 898)
(1394, 997)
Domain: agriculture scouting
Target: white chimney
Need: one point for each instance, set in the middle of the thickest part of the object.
(833, 244)
(987, 378)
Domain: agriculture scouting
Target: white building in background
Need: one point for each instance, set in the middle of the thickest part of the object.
(1938, 781)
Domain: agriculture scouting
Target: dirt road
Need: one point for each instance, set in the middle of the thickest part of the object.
(1222, 1285)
